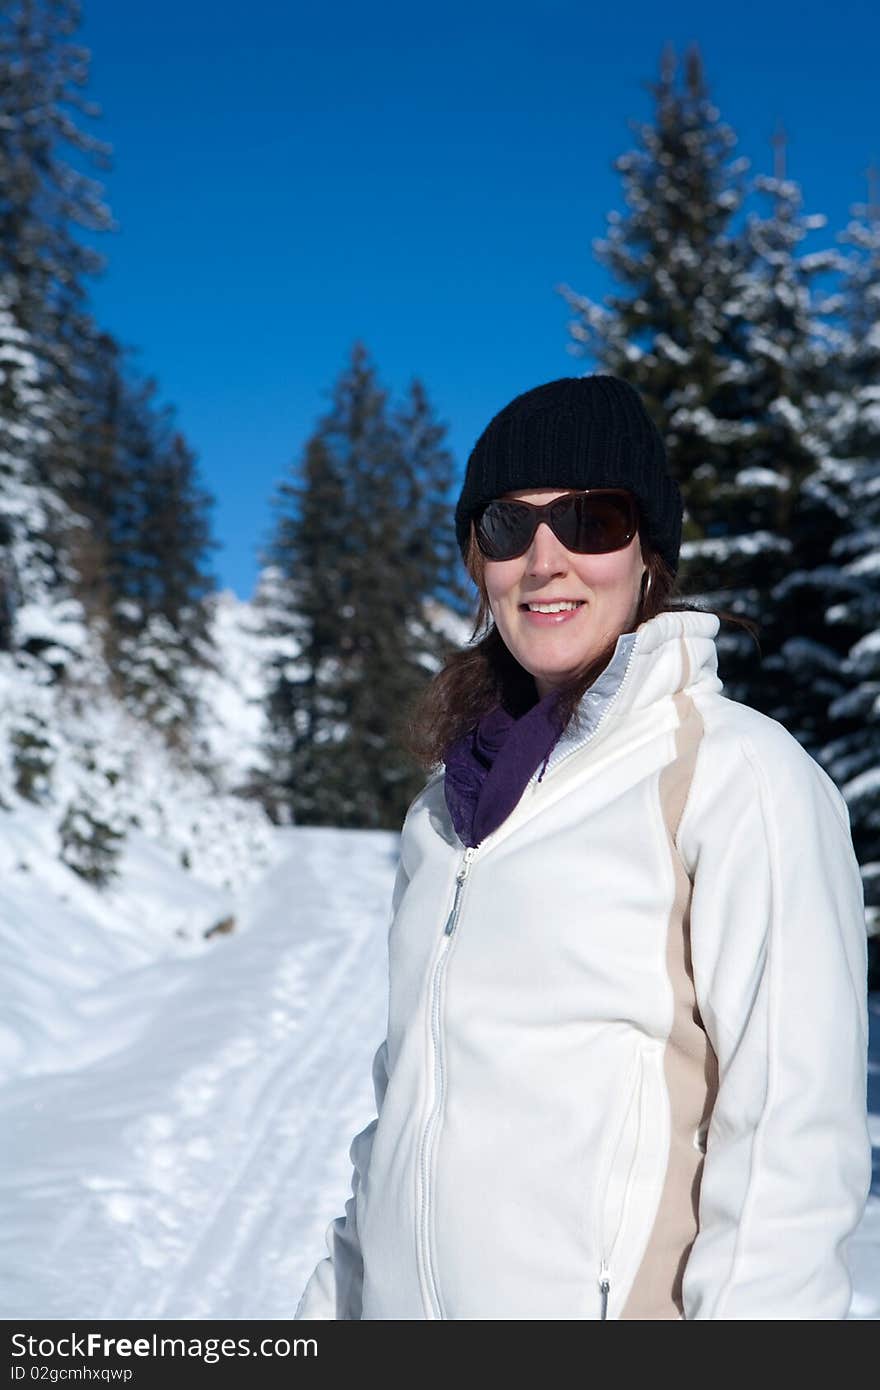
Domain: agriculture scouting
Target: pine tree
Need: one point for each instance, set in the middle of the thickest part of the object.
(280, 631)
(360, 541)
(100, 493)
(781, 513)
(724, 332)
(42, 197)
(42, 265)
(38, 617)
(156, 546)
(430, 494)
(673, 256)
(851, 607)
(91, 838)
(306, 706)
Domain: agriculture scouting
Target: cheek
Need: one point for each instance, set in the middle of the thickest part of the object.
(500, 578)
(612, 571)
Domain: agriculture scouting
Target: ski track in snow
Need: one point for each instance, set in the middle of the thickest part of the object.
(180, 1177)
(185, 1156)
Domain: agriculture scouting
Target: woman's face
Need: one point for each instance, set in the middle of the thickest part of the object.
(552, 647)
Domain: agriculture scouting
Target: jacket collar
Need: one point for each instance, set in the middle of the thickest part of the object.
(669, 652)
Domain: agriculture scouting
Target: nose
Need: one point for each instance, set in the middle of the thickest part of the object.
(546, 555)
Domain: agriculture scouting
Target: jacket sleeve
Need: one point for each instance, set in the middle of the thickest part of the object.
(334, 1290)
(336, 1284)
(779, 955)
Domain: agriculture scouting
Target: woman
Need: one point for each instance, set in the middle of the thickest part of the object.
(625, 1067)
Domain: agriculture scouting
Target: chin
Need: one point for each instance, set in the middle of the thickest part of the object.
(554, 677)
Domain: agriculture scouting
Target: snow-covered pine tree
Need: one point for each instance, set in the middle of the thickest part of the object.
(723, 332)
(359, 543)
(432, 488)
(100, 493)
(157, 540)
(42, 197)
(40, 620)
(671, 254)
(305, 610)
(409, 556)
(675, 258)
(44, 327)
(851, 753)
(781, 516)
(280, 630)
(91, 836)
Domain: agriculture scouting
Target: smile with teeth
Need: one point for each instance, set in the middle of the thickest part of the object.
(564, 606)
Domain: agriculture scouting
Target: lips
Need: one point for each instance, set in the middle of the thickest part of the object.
(565, 615)
(524, 607)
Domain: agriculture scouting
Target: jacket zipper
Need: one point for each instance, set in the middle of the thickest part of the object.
(439, 1079)
(608, 1245)
(604, 1288)
(459, 885)
(428, 1136)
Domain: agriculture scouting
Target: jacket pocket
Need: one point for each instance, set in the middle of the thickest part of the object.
(614, 1178)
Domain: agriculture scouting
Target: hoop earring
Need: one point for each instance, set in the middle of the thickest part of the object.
(647, 586)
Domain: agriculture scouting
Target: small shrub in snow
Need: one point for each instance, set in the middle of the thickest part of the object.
(32, 758)
(91, 841)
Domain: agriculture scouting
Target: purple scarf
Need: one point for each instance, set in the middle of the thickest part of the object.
(487, 769)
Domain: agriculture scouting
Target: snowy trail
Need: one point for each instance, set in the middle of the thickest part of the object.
(179, 1176)
(181, 1151)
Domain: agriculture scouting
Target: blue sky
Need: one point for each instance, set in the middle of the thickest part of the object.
(288, 178)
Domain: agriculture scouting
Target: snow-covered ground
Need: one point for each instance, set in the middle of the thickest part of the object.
(177, 1108)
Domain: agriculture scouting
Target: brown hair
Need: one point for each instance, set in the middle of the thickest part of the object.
(476, 678)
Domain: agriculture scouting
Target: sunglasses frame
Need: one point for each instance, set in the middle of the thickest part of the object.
(542, 511)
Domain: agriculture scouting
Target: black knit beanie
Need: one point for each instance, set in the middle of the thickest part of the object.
(578, 432)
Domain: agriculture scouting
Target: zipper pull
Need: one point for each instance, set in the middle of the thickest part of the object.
(466, 863)
(604, 1288)
(459, 884)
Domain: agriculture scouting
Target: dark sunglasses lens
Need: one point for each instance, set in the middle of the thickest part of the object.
(594, 523)
(588, 523)
(505, 530)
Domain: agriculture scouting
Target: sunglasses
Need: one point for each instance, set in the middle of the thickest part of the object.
(593, 522)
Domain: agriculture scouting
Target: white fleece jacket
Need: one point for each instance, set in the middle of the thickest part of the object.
(624, 1073)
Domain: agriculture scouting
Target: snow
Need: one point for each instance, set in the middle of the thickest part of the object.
(866, 782)
(784, 411)
(722, 549)
(174, 1139)
(701, 421)
(235, 693)
(672, 350)
(755, 477)
(868, 564)
(454, 628)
